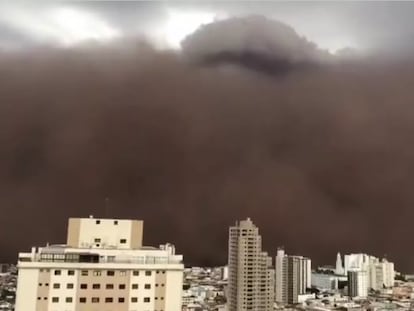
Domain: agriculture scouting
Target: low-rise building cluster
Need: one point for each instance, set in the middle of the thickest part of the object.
(8, 281)
(204, 288)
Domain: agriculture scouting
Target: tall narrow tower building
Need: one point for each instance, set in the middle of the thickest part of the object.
(339, 269)
(251, 276)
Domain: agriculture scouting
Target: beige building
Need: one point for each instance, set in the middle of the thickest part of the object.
(251, 276)
(102, 267)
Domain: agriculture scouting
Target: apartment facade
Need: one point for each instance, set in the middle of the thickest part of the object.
(292, 277)
(250, 275)
(102, 267)
(357, 284)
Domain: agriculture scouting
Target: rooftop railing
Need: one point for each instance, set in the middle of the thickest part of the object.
(96, 258)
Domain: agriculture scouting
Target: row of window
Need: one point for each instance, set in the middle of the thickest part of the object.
(97, 299)
(98, 286)
(99, 222)
(121, 241)
(99, 272)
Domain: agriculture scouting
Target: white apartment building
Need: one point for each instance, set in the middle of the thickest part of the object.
(102, 267)
(250, 272)
(381, 275)
(292, 278)
(357, 262)
(357, 284)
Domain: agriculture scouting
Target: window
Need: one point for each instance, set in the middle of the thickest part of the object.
(135, 273)
(98, 222)
(96, 286)
(109, 299)
(111, 258)
(97, 273)
(147, 286)
(95, 299)
(134, 286)
(147, 299)
(109, 286)
(69, 286)
(84, 286)
(115, 222)
(56, 285)
(55, 299)
(71, 272)
(122, 273)
(134, 299)
(156, 285)
(44, 298)
(58, 272)
(40, 284)
(97, 240)
(46, 284)
(148, 273)
(82, 299)
(69, 299)
(110, 273)
(38, 298)
(84, 272)
(121, 299)
(121, 286)
(158, 271)
(122, 241)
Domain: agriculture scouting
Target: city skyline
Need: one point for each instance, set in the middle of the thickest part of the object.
(104, 264)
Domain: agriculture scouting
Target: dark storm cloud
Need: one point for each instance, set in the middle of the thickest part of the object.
(255, 42)
(321, 160)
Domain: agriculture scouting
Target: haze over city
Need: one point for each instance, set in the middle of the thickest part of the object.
(191, 115)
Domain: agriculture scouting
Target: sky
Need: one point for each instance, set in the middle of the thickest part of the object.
(191, 116)
(331, 25)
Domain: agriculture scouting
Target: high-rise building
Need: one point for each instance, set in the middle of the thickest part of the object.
(250, 275)
(103, 266)
(357, 284)
(292, 278)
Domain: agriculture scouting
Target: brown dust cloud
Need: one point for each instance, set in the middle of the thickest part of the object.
(317, 150)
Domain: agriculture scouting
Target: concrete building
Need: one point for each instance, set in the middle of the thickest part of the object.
(292, 278)
(357, 284)
(324, 281)
(103, 266)
(250, 272)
